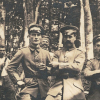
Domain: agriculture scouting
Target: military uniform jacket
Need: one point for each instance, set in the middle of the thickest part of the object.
(69, 77)
(35, 75)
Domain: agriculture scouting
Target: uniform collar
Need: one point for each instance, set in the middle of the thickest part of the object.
(33, 48)
(70, 49)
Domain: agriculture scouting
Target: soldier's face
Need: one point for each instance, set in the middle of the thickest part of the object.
(35, 38)
(2, 52)
(45, 42)
(97, 47)
(69, 40)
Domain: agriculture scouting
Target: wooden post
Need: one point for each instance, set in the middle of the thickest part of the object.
(88, 30)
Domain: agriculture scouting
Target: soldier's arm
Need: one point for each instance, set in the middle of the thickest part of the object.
(88, 71)
(13, 65)
(55, 62)
(48, 59)
(76, 65)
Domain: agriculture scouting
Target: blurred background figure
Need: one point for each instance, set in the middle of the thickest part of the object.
(45, 44)
(7, 90)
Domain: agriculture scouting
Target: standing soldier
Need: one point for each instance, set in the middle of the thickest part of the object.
(67, 68)
(35, 61)
(92, 71)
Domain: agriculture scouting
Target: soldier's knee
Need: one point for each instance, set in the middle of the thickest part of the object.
(24, 96)
(49, 97)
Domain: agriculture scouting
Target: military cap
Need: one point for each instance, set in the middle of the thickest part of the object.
(45, 36)
(36, 28)
(69, 29)
(96, 39)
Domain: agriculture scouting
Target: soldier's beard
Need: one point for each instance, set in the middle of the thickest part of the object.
(45, 46)
(97, 53)
(68, 44)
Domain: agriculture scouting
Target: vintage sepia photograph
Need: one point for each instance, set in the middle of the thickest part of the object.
(49, 50)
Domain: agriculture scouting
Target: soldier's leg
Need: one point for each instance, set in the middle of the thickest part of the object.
(24, 96)
(58, 97)
(49, 97)
(1, 92)
(8, 87)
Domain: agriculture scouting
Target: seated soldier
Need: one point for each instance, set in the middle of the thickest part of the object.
(92, 71)
(67, 67)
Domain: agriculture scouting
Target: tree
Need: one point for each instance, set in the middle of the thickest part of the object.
(88, 30)
(2, 23)
(98, 17)
(30, 16)
(26, 40)
(82, 29)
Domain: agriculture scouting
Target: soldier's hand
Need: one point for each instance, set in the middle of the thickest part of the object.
(54, 64)
(63, 65)
(50, 65)
(21, 84)
(42, 66)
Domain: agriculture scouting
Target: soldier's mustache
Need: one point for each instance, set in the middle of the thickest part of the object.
(68, 42)
(44, 45)
(1, 53)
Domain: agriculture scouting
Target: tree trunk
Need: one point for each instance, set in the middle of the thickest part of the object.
(60, 41)
(88, 30)
(82, 29)
(30, 16)
(26, 39)
(30, 11)
(2, 23)
(98, 17)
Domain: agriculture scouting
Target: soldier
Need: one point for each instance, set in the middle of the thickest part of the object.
(6, 84)
(92, 71)
(67, 68)
(34, 60)
(45, 44)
